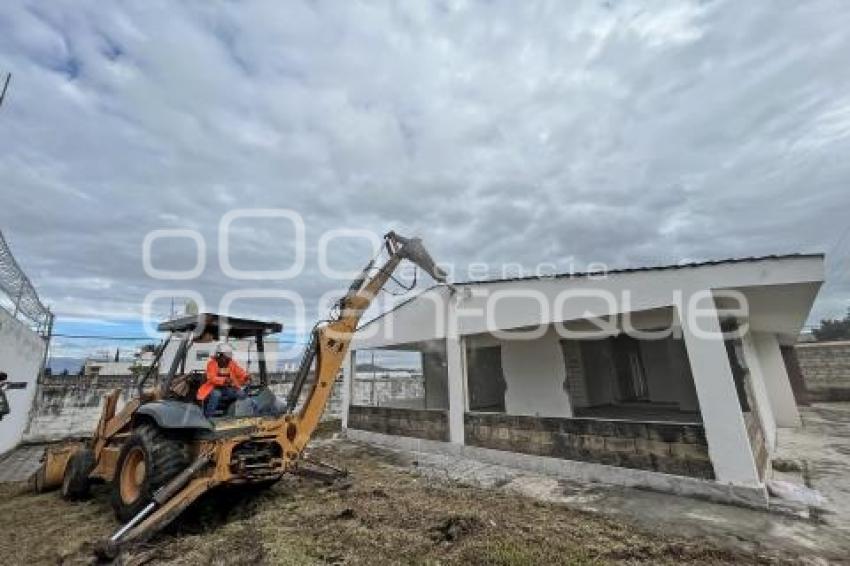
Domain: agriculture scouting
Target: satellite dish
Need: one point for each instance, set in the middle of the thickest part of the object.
(191, 307)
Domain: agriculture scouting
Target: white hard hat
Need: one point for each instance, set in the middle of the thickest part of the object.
(224, 348)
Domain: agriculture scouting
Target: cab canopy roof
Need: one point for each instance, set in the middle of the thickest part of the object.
(220, 325)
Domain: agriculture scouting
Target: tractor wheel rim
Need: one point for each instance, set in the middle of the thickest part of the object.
(132, 475)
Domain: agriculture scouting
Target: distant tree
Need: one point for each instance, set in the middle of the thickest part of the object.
(833, 329)
(65, 371)
(138, 371)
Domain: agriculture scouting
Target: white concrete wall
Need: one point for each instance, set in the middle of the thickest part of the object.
(535, 376)
(421, 319)
(21, 355)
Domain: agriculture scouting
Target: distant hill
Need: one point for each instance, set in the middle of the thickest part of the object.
(372, 368)
(59, 364)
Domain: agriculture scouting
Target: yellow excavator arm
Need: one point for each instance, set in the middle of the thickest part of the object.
(329, 342)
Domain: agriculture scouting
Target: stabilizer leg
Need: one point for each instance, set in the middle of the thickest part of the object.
(168, 502)
(322, 471)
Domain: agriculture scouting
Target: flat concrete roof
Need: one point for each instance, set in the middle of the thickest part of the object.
(780, 286)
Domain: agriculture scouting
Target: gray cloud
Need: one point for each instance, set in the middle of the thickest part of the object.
(619, 132)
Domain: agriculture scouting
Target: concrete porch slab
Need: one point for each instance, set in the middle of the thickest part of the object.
(577, 471)
(18, 464)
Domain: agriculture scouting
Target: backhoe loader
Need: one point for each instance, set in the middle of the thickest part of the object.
(160, 453)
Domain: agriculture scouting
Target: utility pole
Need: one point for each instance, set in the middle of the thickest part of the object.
(5, 87)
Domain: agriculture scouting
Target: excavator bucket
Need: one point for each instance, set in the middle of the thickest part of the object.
(53, 463)
(413, 250)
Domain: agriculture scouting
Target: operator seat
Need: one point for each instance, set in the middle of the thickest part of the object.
(185, 387)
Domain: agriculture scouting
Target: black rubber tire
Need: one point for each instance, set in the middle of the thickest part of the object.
(165, 456)
(75, 480)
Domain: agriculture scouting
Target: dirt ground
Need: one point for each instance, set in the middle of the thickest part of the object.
(385, 513)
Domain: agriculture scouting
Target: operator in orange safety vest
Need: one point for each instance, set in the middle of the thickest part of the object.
(225, 379)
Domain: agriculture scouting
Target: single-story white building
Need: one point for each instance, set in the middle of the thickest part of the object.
(667, 377)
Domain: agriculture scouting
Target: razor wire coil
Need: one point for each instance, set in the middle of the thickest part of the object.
(18, 289)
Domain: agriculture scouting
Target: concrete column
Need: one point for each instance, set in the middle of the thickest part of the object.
(765, 412)
(776, 381)
(725, 430)
(349, 369)
(455, 373)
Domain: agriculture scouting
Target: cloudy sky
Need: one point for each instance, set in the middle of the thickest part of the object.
(628, 133)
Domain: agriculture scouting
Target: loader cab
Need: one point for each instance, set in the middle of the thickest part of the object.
(183, 356)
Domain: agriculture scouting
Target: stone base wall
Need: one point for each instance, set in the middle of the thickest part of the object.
(757, 442)
(70, 406)
(755, 431)
(826, 369)
(671, 448)
(429, 424)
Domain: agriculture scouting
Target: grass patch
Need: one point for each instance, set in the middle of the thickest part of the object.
(384, 514)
